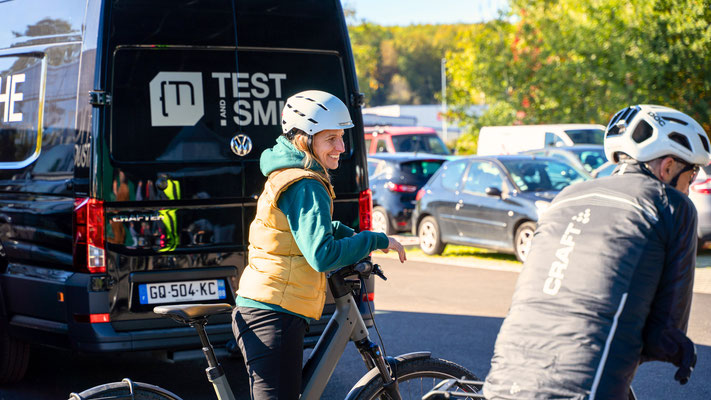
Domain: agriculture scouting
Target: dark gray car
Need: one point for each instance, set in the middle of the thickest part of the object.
(491, 202)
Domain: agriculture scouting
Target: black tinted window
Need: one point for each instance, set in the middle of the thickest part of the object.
(586, 136)
(21, 81)
(419, 143)
(186, 104)
(421, 169)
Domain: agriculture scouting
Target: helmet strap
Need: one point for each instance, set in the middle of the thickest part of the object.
(674, 181)
(310, 143)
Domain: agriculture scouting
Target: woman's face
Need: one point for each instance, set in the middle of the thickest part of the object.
(328, 146)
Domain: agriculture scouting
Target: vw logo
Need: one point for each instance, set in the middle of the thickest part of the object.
(241, 145)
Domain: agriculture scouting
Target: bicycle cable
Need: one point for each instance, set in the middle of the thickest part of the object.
(372, 317)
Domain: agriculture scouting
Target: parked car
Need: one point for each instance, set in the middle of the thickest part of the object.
(404, 139)
(700, 194)
(491, 202)
(586, 157)
(514, 139)
(129, 160)
(606, 169)
(395, 179)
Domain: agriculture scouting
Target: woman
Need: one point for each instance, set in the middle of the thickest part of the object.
(293, 242)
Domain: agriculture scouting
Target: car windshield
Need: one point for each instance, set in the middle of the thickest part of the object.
(541, 175)
(586, 136)
(591, 158)
(419, 143)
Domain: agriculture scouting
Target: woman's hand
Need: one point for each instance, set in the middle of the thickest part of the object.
(393, 244)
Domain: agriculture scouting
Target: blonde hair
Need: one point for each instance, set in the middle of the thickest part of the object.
(301, 141)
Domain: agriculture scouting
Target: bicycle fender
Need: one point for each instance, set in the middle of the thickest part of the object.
(393, 362)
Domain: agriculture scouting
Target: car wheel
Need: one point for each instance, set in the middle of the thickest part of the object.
(429, 235)
(14, 358)
(380, 221)
(522, 240)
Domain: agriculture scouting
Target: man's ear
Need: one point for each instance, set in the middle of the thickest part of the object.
(666, 169)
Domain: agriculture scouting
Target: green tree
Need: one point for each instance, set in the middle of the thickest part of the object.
(580, 61)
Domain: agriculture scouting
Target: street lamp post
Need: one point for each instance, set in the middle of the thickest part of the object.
(444, 99)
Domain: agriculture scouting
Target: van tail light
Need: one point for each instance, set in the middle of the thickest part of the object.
(419, 194)
(92, 318)
(396, 187)
(365, 209)
(703, 187)
(89, 253)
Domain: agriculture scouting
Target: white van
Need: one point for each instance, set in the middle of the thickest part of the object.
(495, 140)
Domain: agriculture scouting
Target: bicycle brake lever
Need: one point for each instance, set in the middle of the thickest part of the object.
(378, 271)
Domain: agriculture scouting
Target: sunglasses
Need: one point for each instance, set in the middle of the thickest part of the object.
(689, 167)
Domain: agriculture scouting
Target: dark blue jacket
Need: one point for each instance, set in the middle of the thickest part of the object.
(607, 285)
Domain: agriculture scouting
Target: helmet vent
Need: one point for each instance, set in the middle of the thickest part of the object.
(678, 121)
(313, 120)
(625, 115)
(704, 142)
(642, 132)
(300, 113)
(681, 139)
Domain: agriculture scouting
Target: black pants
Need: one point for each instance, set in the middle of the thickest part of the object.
(272, 344)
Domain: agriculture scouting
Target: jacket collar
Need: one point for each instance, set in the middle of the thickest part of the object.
(633, 167)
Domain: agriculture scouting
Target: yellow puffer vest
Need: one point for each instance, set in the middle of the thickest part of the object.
(277, 272)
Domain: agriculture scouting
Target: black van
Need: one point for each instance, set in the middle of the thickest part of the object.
(130, 137)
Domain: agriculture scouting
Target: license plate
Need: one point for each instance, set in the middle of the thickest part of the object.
(175, 292)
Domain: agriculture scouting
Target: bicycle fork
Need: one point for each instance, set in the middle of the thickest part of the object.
(373, 358)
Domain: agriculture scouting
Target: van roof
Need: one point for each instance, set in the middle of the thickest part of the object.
(398, 130)
(549, 126)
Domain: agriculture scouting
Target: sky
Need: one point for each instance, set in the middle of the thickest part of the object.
(408, 12)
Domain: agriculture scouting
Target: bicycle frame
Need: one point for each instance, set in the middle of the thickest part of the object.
(345, 325)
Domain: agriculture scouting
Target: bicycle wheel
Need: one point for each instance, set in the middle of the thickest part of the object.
(416, 377)
(125, 390)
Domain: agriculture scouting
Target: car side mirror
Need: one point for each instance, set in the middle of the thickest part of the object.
(493, 191)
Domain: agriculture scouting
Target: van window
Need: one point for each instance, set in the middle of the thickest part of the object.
(21, 81)
(553, 140)
(186, 105)
(586, 136)
(382, 147)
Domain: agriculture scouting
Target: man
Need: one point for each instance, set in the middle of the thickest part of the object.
(608, 281)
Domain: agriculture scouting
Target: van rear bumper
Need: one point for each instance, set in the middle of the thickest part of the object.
(102, 338)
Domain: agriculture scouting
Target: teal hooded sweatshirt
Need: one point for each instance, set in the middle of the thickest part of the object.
(326, 244)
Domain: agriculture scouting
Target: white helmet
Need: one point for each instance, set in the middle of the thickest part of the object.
(646, 132)
(313, 111)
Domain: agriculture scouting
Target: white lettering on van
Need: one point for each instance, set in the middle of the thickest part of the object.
(176, 98)
(556, 273)
(10, 96)
(250, 91)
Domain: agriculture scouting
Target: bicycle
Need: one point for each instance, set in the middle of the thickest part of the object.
(387, 377)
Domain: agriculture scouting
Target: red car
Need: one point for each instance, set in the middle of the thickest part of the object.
(408, 139)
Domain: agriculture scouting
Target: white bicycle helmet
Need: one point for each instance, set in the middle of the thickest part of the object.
(646, 132)
(313, 111)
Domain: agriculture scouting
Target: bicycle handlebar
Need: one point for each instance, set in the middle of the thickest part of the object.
(363, 268)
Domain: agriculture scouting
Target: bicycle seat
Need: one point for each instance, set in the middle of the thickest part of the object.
(186, 313)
